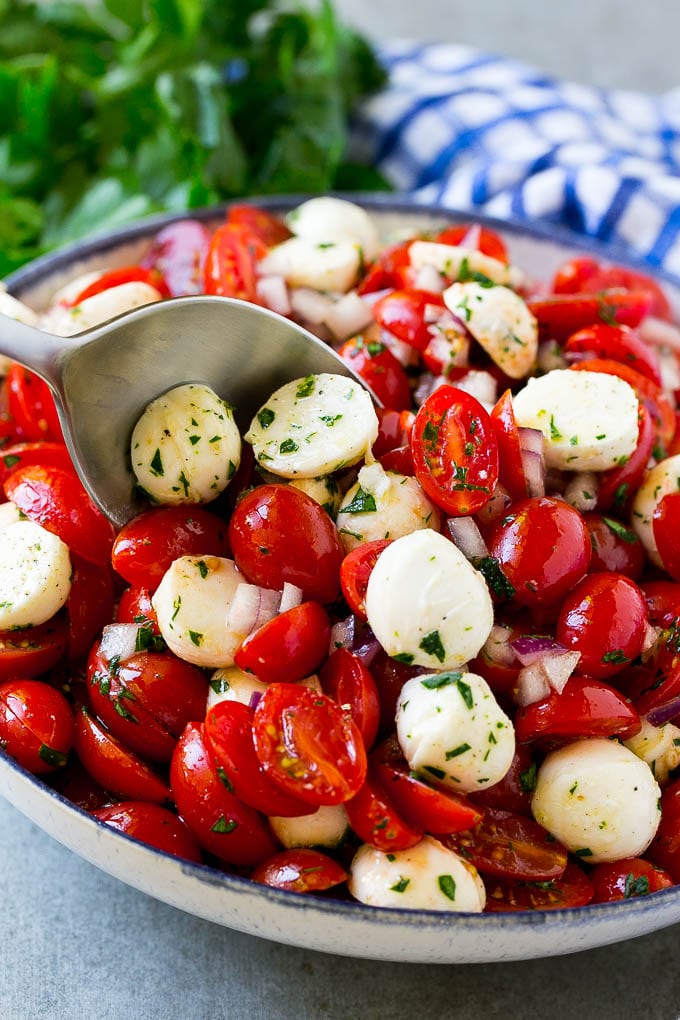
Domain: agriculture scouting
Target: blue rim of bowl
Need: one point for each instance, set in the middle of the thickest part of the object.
(553, 919)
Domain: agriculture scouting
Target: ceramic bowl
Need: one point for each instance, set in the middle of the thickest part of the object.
(341, 927)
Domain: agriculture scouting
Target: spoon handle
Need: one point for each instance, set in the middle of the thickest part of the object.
(41, 352)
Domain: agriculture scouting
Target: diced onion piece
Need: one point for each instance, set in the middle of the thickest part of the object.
(291, 596)
(530, 649)
(664, 713)
(559, 667)
(429, 278)
(311, 305)
(658, 332)
(581, 491)
(533, 465)
(497, 647)
(273, 292)
(649, 642)
(366, 646)
(348, 316)
(251, 607)
(466, 535)
(548, 672)
(119, 641)
(532, 685)
(342, 634)
(531, 440)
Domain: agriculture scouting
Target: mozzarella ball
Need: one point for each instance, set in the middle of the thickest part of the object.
(67, 321)
(426, 604)
(327, 266)
(454, 260)
(663, 479)
(428, 876)
(327, 219)
(10, 514)
(313, 426)
(327, 826)
(589, 419)
(500, 322)
(35, 575)
(383, 504)
(451, 728)
(324, 490)
(186, 446)
(598, 799)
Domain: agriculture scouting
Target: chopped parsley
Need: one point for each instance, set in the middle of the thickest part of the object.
(447, 884)
(432, 645)
(400, 886)
(362, 503)
(265, 417)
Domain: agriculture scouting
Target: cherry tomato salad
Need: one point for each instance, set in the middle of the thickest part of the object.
(423, 652)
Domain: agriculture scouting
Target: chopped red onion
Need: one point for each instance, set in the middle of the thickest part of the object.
(273, 292)
(658, 332)
(471, 237)
(531, 439)
(310, 304)
(375, 296)
(119, 641)
(663, 714)
(497, 647)
(427, 384)
(529, 648)
(366, 645)
(581, 491)
(348, 316)
(251, 607)
(466, 535)
(255, 699)
(649, 642)
(532, 685)
(291, 596)
(429, 278)
(533, 466)
(558, 667)
(342, 634)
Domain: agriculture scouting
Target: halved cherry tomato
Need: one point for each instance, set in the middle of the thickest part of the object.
(117, 277)
(666, 528)
(455, 451)
(475, 236)
(178, 252)
(376, 820)
(611, 277)
(231, 263)
(573, 275)
(56, 499)
(31, 407)
(113, 765)
(347, 680)
(90, 605)
(228, 734)
(18, 455)
(626, 879)
(514, 791)
(562, 314)
(146, 546)
(585, 708)
(510, 846)
(399, 460)
(270, 229)
(30, 651)
(152, 824)
(300, 870)
(278, 534)
(377, 366)
(392, 269)
(615, 546)
(421, 805)
(663, 601)
(617, 486)
(77, 785)
(572, 888)
(403, 313)
(36, 725)
(510, 467)
(289, 647)
(308, 745)
(619, 343)
(221, 823)
(355, 570)
(394, 430)
(135, 606)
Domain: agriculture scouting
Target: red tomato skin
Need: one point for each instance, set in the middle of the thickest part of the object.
(620, 343)
(279, 534)
(90, 605)
(605, 619)
(394, 429)
(511, 470)
(355, 571)
(666, 527)
(390, 676)
(617, 486)
(267, 227)
(376, 820)
(585, 708)
(300, 870)
(572, 889)
(542, 545)
(510, 846)
(610, 277)
(308, 745)
(221, 823)
(347, 680)
(30, 651)
(230, 268)
(56, 499)
(31, 407)
(116, 277)
(664, 849)
(146, 546)
(573, 275)
(560, 315)
(152, 824)
(289, 647)
(402, 313)
(44, 452)
(475, 236)
(627, 878)
(514, 791)
(663, 601)
(378, 367)
(36, 725)
(135, 606)
(112, 765)
(391, 270)
(615, 546)
(178, 252)
(228, 735)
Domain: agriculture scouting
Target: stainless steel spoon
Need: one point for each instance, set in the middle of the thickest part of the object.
(103, 379)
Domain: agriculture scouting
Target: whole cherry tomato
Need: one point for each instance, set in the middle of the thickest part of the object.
(394, 430)
(627, 878)
(572, 888)
(112, 765)
(392, 269)
(615, 546)
(152, 824)
(585, 708)
(135, 606)
(666, 528)
(36, 725)
(404, 314)
(355, 570)
(178, 252)
(621, 277)
(231, 263)
(390, 675)
(573, 275)
(455, 451)
(348, 681)
(620, 343)
(146, 546)
(513, 792)
(264, 225)
(289, 647)
(378, 367)
(664, 850)
(510, 846)
(279, 534)
(300, 870)
(29, 651)
(376, 821)
(308, 745)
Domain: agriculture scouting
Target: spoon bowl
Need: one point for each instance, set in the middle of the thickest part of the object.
(103, 379)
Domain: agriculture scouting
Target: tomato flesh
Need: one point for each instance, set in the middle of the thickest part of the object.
(510, 846)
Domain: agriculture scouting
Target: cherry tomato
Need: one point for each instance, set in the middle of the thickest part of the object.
(18, 455)
(510, 846)
(562, 314)
(90, 605)
(77, 785)
(615, 546)
(135, 606)
(300, 870)
(221, 823)
(666, 528)
(152, 824)
(392, 269)
(179, 252)
(514, 791)
(511, 469)
(56, 499)
(663, 601)
(399, 460)
(31, 407)
(267, 227)
(573, 275)
(619, 343)
(117, 277)
(308, 745)
(542, 546)
(348, 681)
(279, 534)
(376, 821)
(585, 708)
(112, 765)
(36, 725)
(664, 850)
(475, 236)
(404, 314)
(378, 367)
(390, 675)
(146, 546)
(617, 486)
(231, 263)
(605, 619)
(455, 452)
(30, 651)
(621, 277)
(355, 570)
(627, 878)
(573, 888)
(228, 735)
(289, 647)
(421, 805)
(394, 429)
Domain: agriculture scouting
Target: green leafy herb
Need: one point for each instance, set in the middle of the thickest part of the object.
(156, 465)
(362, 503)
(461, 749)
(527, 779)
(306, 387)
(432, 645)
(620, 530)
(441, 680)
(495, 578)
(635, 886)
(223, 826)
(401, 885)
(265, 417)
(54, 758)
(447, 884)
(288, 446)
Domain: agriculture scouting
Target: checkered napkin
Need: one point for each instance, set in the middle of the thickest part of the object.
(470, 130)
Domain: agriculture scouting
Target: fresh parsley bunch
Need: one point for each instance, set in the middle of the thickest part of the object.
(113, 109)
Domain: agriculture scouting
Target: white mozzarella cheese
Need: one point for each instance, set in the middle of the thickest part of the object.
(428, 876)
(663, 479)
(325, 827)
(500, 322)
(68, 293)
(186, 446)
(598, 799)
(101, 307)
(589, 419)
(313, 426)
(453, 260)
(192, 603)
(326, 219)
(451, 727)
(324, 490)
(10, 514)
(658, 746)
(35, 575)
(326, 266)
(383, 504)
(234, 684)
(427, 604)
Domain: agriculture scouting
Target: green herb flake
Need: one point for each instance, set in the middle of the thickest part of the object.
(56, 759)
(196, 637)
(156, 465)
(405, 657)
(447, 884)
(528, 778)
(616, 656)
(400, 886)
(491, 570)
(305, 388)
(635, 886)
(223, 826)
(441, 680)
(584, 851)
(434, 771)
(220, 685)
(202, 568)
(461, 749)
(432, 645)
(288, 446)
(620, 530)
(265, 417)
(362, 503)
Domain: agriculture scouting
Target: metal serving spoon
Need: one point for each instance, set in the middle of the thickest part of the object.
(103, 379)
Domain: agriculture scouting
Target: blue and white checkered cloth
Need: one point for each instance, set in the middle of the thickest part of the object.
(475, 131)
